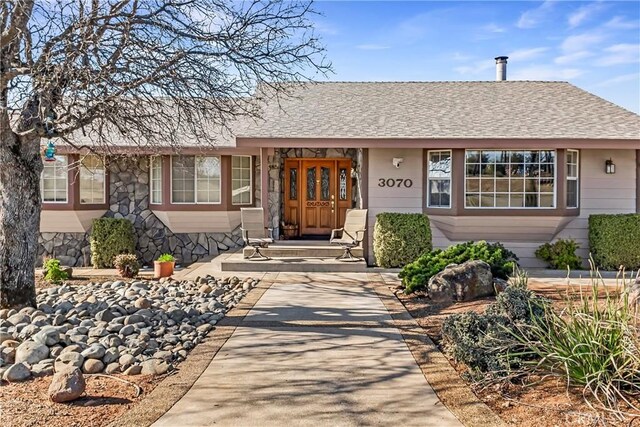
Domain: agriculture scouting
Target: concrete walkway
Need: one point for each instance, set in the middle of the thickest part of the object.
(316, 349)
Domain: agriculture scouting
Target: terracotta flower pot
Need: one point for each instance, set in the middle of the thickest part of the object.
(163, 269)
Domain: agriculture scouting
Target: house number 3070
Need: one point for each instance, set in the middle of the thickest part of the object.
(395, 182)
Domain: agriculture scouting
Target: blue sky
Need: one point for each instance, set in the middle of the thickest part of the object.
(594, 45)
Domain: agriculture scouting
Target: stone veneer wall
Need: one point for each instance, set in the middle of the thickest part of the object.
(276, 176)
(129, 198)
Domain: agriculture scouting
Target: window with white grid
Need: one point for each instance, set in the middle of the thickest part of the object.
(92, 180)
(54, 180)
(241, 180)
(510, 179)
(155, 179)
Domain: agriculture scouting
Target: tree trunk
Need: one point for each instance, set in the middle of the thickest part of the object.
(20, 167)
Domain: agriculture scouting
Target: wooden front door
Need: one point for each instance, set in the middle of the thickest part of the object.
(317, 194)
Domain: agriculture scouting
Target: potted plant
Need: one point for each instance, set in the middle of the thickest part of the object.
(289, 231)
(127, 265)
(163, 266)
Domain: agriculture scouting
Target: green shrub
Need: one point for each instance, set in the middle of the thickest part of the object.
(483, 342)
(416, 275)
(560, 254)
(166, 258)
(400, 238)
(127, 265)
(613, 241)
(110, 237)
(593, 344)
(52, 271)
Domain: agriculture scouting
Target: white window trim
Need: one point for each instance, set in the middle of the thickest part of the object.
(151, 186)
(195, 183)
(250, 182)
(66, 189)
(104, 183)
(440, 178)
(555, 180)
(575, 178)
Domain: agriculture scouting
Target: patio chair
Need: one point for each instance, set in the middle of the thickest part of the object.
(254, 233)
(351, 234)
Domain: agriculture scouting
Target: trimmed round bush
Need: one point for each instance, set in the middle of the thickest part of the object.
(614, 241)
(110, 237)
(400, 238)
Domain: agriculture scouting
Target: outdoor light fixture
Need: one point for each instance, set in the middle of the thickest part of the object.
(609, 167)
(397, 161)
(49, 152)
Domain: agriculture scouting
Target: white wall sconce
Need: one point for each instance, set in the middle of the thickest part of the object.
(397, 161)
(609, 167)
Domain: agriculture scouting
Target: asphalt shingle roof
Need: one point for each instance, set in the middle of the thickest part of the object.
(496, 110)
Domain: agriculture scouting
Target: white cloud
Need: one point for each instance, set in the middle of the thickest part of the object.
(460, 57)
(526, 54)
(620, 79)
(623, 53)
(372, 46)
(546, 72)
(493, 28)
(532, 17)
(581, 42)
(584, 13)
(620, 23)
(573, 57)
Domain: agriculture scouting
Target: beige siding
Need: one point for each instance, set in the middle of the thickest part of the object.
(602, 193)
(199, 221)
(385, 199)
(599, 193)
(67, 221)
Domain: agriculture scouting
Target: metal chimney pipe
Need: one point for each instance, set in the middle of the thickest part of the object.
(501, 68)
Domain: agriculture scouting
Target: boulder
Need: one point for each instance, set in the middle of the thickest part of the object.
(633, 294)
(92, 366)
(154, 367)
(67, 385)
(31, 352)
(68, 360)
(464, 282)
(500, 285)
(17, 372)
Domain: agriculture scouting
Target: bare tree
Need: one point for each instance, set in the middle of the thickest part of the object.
(139, 71)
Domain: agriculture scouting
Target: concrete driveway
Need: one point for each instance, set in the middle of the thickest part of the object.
(316, 349)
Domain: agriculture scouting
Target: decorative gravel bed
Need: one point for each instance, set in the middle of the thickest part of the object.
(137, 327)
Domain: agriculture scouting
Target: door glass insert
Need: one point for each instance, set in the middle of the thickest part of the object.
(293, 184)
(325, 174)
(343, 184)
(311, 183)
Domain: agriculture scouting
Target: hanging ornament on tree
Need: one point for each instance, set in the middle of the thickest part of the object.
(49, 151)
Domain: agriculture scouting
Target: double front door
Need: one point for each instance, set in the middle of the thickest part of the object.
(317, 194)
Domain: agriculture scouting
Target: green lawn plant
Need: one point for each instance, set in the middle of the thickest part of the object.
(53, 272)
(400, 238)
(614, 241)
(560, 254)
(416, 275)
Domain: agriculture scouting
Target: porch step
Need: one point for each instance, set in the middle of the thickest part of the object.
(302, 250)
(236, 262)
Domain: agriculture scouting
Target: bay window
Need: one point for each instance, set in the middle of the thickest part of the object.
(195, 179)
(439, 179)
(506, 179)
(572, 178)
(241, 180)
(92, 180)
(54, 181)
